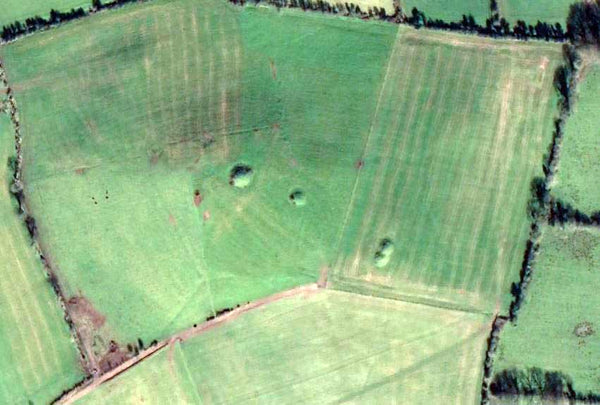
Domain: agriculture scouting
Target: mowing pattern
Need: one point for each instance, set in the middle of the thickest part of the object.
(331, 347)
(37, 357)
(112, 189)
(458, 130)
(558, 323)
(136, 209)
(579, 168)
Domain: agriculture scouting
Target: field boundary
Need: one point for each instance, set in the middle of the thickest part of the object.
(494, 27)
(17, 191)
(87, 386)
(358, 287)
(565, 82)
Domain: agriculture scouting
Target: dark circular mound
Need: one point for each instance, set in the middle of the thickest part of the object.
(240, 175)
(298, 198)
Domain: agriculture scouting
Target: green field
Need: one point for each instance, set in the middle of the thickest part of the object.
(449, 11)
(37, 357)
(327, 347)
(561, 298)
(114, 192)
(550, 11)
(579, 166)
(449, 159)
(20, 10)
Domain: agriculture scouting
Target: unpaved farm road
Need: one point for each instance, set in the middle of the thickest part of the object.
(94, 383)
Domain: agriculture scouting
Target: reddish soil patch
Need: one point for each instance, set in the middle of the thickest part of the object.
(80, 171)
(273, 69)
(206, 215)
(114, 357)
(359, 164)
(276, 126)
(172, 220)
(197, 198)
(322, 283)
(293, 162)
(83, 310)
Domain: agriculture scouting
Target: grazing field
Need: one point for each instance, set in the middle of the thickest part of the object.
(557, 328)
(550, 11)
(458, 132)
(449, 11)
(19, 10)
(326, 347)
(575, 182)
(130, 181)
(37, 357)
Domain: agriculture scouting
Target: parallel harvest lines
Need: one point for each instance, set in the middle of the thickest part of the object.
(454, 154)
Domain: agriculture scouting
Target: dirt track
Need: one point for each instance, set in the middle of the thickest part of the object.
(79, 392)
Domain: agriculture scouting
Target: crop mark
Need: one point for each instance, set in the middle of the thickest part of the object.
(369, 135)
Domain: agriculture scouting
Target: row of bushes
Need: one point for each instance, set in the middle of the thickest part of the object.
(583, 21)
(550, 385)
(36, 23)
(494, 26)
(490, 353)
(16, 29)
(539, 206)
(562, 213)
(512, 382)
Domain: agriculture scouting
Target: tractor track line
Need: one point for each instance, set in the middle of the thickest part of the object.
(91, 384)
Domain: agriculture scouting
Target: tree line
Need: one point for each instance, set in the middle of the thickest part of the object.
(36, 23)
(583, 21)
(539, 206)
(495, 26)
(534, 381)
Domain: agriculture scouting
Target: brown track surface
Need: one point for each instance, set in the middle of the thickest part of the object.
(79, 392)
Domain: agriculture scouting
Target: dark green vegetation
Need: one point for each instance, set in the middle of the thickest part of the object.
(20, 10)
(554, 348)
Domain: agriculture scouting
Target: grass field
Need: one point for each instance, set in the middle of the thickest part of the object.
(561, 297)
(37, 357)
(114, 192)
(17, 10)
(327, 347)
(449, 158)
(550, 11)
(579, 166)
(449, 11)
(117, 191)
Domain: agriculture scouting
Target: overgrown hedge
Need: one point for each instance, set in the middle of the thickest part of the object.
(36, 23)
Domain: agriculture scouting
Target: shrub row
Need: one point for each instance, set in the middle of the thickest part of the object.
(36, 23)
(548, 385)
(494, 26)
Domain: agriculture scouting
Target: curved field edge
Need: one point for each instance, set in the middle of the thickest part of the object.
(16, 10)
(323, 346)
(147, 192)
(38, 358)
